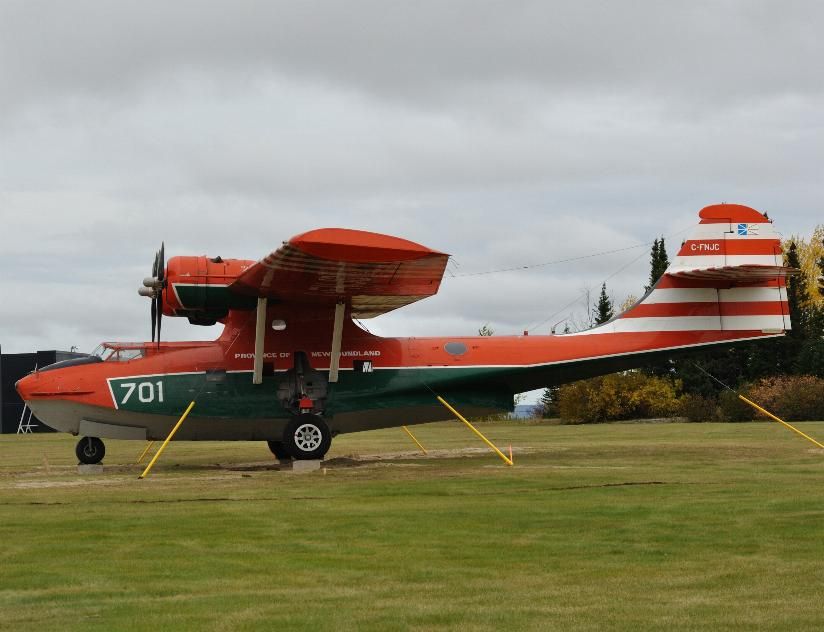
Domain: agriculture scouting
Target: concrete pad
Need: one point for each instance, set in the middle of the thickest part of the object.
(83, 468)
(305, 466)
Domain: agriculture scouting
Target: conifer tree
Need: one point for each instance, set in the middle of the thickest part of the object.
(549, 401)
(603, 309)
(798, 297)
(653, 258)
(658, 262)
(663, 259)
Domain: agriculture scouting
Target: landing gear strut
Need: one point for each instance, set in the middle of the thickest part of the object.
(90, 450)
(307, 437)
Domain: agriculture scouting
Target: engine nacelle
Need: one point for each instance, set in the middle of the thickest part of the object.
(197, 287)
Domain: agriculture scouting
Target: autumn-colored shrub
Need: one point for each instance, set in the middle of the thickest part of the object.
(630, 395)
(696, 407)
(793, 398)
(635, 395)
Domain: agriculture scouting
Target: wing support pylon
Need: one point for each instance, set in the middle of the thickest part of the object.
(337, 339)
(260, 337)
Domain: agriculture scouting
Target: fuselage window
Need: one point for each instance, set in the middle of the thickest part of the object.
(455, 348)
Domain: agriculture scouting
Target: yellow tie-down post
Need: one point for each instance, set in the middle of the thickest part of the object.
(145, 452)
(411, 436)
(781, 421)
(504, 458)
(169, 438)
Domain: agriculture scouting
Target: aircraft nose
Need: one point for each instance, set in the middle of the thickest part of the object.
(26, 385)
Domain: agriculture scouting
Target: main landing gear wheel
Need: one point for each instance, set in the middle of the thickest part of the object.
(279, 450)
(307, 437)
(90, 450)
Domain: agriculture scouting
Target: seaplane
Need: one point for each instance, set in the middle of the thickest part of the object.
(292, 367)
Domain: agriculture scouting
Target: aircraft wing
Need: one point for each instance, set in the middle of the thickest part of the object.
(373, 273)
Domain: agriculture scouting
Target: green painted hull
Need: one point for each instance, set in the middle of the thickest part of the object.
(236, 397)
(233, 396)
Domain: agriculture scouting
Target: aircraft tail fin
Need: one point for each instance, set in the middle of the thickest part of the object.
(728, 276)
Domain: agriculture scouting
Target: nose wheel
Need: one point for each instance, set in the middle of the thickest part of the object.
(307, 437)
(90, 450)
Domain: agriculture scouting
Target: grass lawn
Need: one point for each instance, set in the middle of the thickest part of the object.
(621, 526)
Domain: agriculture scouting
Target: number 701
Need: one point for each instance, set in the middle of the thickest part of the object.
(146, 391)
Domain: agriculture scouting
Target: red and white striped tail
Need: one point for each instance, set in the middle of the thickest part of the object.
(729, 276)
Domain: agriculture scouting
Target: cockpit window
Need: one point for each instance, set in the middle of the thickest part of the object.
(124, 355)
(112, 354)
(102, 351)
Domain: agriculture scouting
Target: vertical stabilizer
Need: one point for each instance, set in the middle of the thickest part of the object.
(728, 276)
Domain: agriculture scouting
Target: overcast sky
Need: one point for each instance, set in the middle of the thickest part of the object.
(505, 133)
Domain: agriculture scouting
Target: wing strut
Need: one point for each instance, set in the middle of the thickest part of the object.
(337, 336)
(260, 336)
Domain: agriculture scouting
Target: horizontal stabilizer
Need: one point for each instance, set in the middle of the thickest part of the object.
(737, 274)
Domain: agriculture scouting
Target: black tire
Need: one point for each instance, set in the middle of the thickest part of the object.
(307, 437)
(279, 450)
(90, 450)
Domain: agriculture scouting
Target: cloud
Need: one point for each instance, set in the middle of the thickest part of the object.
(418, 52)
(503, 133)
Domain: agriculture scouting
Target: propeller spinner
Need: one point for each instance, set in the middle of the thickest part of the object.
(153, 287)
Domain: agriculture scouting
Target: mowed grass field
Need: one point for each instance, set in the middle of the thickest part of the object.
(607, 527)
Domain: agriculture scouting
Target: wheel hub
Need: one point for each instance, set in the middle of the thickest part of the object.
(308, 437)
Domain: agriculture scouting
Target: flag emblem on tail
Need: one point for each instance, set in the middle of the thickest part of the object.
(747, 229)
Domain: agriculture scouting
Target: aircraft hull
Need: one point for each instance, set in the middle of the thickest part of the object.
(105, 423)
(146, 405)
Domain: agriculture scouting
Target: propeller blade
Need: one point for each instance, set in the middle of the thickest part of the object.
(154, 299)
(154, 317)
(161, 271)
(153, 287)
(159, 320)
(161, 276)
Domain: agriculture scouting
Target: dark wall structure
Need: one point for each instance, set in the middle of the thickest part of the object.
(13, 366)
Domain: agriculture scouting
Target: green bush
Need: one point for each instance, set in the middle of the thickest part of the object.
(731, 408)
(698, 408)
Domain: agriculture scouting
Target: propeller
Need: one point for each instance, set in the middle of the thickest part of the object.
(153, 287)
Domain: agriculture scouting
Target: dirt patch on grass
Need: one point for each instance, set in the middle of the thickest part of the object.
(66, 476)
(63, 483)
(351, 460)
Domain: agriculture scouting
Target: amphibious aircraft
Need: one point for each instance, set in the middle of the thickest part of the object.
(292, 368)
